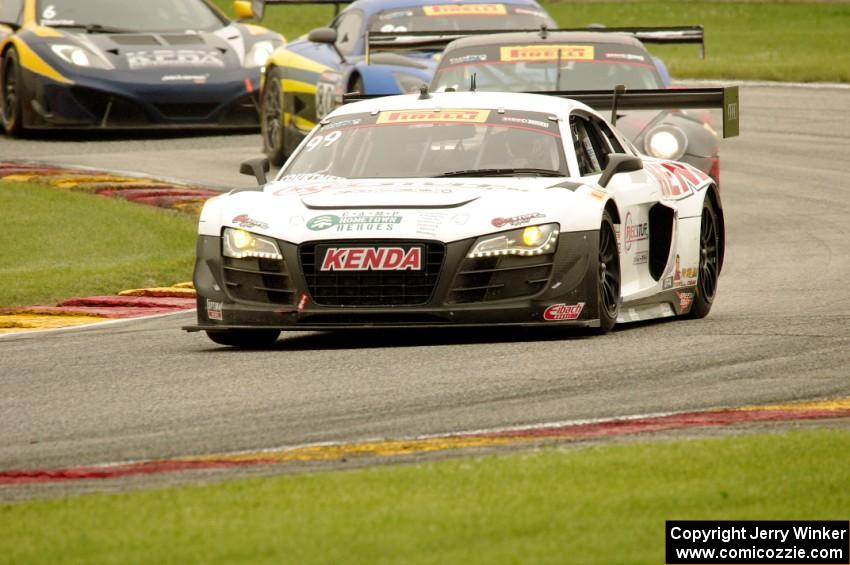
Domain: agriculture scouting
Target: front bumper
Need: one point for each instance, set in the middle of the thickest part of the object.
(120, 102)
(465, 293)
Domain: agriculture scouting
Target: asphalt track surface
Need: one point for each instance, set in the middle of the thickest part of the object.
(779, 331)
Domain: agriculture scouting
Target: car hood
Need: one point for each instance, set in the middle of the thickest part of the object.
(314, 207)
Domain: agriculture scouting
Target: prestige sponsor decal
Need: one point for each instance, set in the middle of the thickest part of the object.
(466, 10)
(245, 221)
(433, 116)
(685, 299)
(372, 259)
(516, 220)
(547, 53)
(154, 58)
(356, 221)
(635, 232)
(558, 312)
(214, 310)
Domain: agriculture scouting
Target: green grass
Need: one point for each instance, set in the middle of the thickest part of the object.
(57, 244)
(785, 41)
(601, 505)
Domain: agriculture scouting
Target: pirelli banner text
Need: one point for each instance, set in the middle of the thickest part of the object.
(755, 542)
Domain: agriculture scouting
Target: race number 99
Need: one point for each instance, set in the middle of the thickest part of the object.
(323, 141)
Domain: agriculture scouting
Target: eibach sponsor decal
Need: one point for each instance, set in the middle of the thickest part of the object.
(465, 59)
(158, 58)
(433, 116)
(245, 221)
(635, 232)
(355, 221)
(685, 299)
(560, 312)
(516, 220)
(214, 310)
(466, 10)
(372, 259)
(524, 122)
(531, 53)
(625, 56)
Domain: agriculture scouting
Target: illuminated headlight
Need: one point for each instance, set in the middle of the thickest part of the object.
(76, 55)
(259, 54)
(408, 84)
(666, 142)
(240, 244)
(533, 240)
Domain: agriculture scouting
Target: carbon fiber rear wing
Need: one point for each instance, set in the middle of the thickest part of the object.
(378, 41)
(258, 7)
(724, 98)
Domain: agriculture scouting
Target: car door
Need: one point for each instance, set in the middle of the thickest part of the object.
(635, 194)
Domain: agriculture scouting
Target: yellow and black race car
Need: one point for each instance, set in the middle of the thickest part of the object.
(128, 64)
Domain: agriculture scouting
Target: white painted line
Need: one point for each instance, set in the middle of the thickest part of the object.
(763, 83)
(24, 333)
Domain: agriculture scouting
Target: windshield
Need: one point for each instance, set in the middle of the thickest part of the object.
(130, 15)
(431, 143)
(454, 17)
(544, 67)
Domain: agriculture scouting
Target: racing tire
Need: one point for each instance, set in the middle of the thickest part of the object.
(245, 339)
(609, 275)
(271, 118)
(709, 261)
(11, 94)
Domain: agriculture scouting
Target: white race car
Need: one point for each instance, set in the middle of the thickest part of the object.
(464, 209)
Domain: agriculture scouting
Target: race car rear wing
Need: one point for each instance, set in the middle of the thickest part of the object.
(724, 98)
(258, 7)
(377, 41)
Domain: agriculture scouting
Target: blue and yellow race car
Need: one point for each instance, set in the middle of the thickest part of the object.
(129, 64)
(306, 79)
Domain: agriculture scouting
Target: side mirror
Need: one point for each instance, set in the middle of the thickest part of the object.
(258, 168)
(243, 10)
(619, 163)
(258, 9)
(326, 35)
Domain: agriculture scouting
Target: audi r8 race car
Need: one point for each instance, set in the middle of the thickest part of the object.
(461, 209)
(588, 60)
(128, 64)
(304, 78)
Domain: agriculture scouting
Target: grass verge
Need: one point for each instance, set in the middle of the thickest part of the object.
(57, 244)
(784, 41)
(604, 504)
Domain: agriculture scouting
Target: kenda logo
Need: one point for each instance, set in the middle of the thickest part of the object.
(372, 259)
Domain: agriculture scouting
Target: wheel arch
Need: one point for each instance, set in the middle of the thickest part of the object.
(713, 194)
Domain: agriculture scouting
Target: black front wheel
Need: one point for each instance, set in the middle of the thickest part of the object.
(12, 99)
(709, 261)
(609, 275)
(271, 118)
(245, 339)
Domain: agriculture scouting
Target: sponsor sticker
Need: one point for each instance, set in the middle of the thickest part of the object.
(557, 312)
(547, 53)
(525, 122)
(641, 258)
(685, 299)
(245, 221)
(466, 10)
(635, 232)
(597, 194)
(667, 284)
(625, 56)
(355, 221)
(197, 79)
(433, 116)
(516, 220)
(478, 58)
(214, 310)
(154, 58)
(372, 259)
(302, 303)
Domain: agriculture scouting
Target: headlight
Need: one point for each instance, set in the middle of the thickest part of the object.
(76, 55)
(408, 84)
(241, 244)
(533, 240)
(259, 54)
(666, 142)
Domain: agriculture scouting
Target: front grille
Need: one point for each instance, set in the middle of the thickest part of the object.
(373, 288)
(108, 109)
(499, 278)
(186, 110)
(259, 280)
